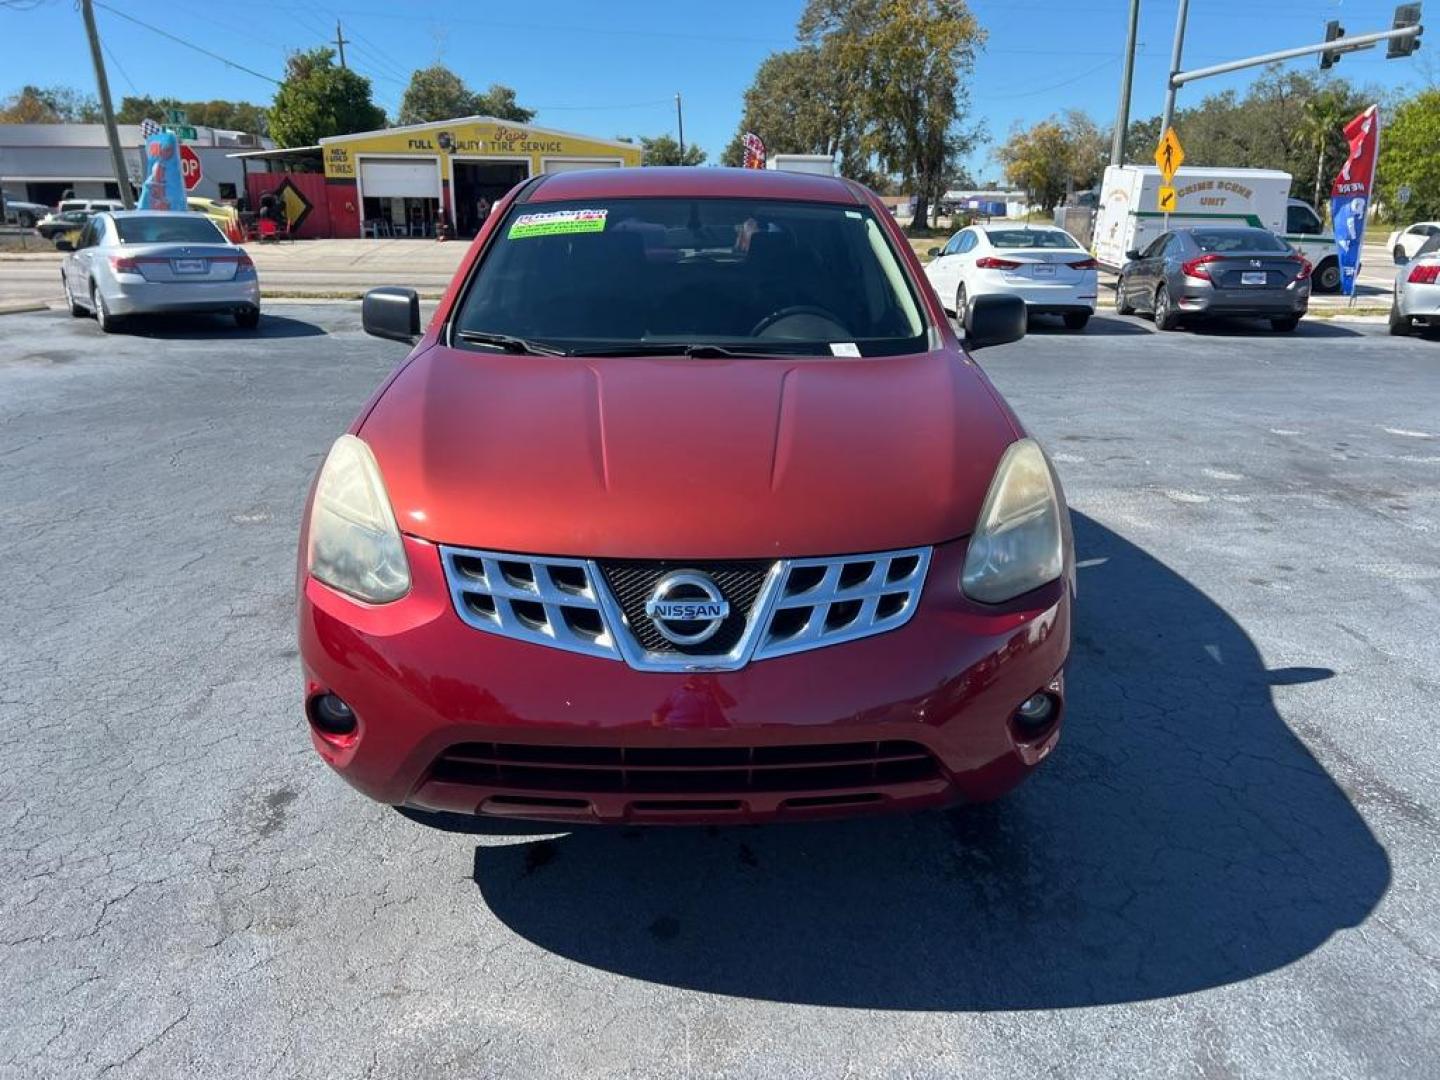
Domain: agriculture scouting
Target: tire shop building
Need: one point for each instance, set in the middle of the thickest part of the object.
(404, 181)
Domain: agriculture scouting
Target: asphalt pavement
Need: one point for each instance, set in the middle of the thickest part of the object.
(1228, 868)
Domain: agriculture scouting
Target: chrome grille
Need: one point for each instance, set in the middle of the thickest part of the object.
(597, 607)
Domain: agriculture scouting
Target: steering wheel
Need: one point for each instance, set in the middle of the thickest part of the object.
(814, 314)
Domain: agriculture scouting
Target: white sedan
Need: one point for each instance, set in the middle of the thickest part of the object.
(1044, 266)
(1404, 243)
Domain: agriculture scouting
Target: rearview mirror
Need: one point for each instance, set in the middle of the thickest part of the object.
(64, 245)
(1132, 254)
(993, 320)
(393, 313)
(932, 252)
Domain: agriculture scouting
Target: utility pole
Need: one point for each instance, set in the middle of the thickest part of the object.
(112, 133)
(1168, 119)
(1122, 114)
(680, 124)
(340, 42)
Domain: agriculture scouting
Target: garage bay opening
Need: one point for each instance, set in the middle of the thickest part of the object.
(479, 185)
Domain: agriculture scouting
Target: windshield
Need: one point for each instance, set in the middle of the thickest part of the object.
(1223, 240)
(167, 230)
(748, 275)
(1030, 238)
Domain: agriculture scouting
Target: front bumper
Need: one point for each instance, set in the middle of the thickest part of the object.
(160, 297)
(422, 683)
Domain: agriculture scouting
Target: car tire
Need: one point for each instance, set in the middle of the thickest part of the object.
(108, 323)
(1076, 320)
(25, 219)
(76, 309)
(1166, 317)
(247, 318)
(1327, 276)
(961, 300)
(1399, 324)
(1399, 254)
(1122, 306)
(1285, 324)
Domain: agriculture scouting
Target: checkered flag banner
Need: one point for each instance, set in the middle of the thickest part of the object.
(149, 127)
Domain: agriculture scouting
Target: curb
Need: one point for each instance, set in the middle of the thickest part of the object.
(23, 306)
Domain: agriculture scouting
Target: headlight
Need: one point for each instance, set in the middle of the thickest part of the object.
(1017, 544)
(355, 545)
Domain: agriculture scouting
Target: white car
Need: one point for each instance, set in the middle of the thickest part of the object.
(1042, 265)
(139, 262)
(1404, 243)
(1417, 290)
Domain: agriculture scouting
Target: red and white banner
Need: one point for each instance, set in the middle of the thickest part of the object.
(1357, 175)
(754, 151)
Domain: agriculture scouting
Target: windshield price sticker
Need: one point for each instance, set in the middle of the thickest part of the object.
(558, 223)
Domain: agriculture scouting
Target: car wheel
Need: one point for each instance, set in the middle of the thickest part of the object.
(1327, 277)
(1399, 254)
(961, 300)
(1166, 317)
(1122, 305)
(1286, 324)
(1399, 324)
(108, 323)
(247, 318)
(1076, 320)
(76, 309)
(25, 219)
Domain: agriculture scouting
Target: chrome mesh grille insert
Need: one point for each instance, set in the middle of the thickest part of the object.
(826, 601)
(598, 607)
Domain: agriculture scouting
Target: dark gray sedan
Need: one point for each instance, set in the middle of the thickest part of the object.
(1219, 272)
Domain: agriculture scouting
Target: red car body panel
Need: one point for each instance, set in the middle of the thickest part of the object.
(689, 459)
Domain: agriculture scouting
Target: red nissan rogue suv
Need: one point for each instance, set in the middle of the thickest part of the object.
(688, 506)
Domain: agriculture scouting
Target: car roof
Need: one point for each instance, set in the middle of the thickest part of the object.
(188, 215)
(691, 182)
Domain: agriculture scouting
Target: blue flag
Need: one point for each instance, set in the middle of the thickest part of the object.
(1347, 212)
(1351, 193)
(163, 187)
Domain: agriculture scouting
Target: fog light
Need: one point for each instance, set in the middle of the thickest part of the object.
(1036, 711)
(331, 715)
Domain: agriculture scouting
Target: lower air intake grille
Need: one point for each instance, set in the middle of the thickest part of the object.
(686, 770)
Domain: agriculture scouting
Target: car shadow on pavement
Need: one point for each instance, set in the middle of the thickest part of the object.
(1181, 838)
(1308, 328)
(1099, 326)
(217, 328)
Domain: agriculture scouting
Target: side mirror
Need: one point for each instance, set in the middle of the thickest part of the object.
(932, 252)
(392, 313)
(994, 320)
(64, 245)
(1132, 254)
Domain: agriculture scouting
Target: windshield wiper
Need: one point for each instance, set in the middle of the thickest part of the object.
(507, 343)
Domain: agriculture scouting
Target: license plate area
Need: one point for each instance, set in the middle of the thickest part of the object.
(1254, 277)
(1043, 270)
(189, 266)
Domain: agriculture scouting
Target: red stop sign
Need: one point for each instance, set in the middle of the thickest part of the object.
(189, 167)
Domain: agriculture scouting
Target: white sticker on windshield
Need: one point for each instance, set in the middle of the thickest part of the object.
(844, 348)
(557, 222)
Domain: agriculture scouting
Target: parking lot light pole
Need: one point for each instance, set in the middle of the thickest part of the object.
(1168, 119)
(112, 133)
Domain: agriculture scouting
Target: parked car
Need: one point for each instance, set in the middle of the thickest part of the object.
(64, 224)
(157, 262)
(225, 216)
(1044, 266)
(95, 206)
(22, 213)
(1417, 290)
(1211, 272)
(658, 522)
(1405, 243)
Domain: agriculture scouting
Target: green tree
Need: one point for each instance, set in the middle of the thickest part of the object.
(49, 105)
(1408, 157)
(217, 113)
(906, 61)
(437, 93)
(663, 150)
(318, 99)
(1054, 157)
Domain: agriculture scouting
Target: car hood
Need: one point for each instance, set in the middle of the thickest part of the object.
(687, 458)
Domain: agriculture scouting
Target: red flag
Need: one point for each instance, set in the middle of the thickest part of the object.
(754, 151)
(1357, 175)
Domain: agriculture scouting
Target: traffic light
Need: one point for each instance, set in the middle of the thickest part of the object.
(1331, 57)
(1405, 15)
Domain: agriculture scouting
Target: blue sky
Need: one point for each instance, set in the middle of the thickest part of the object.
(613, 68)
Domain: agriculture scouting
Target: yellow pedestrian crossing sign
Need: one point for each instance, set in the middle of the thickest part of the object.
(1166, 200)
(1169, 155)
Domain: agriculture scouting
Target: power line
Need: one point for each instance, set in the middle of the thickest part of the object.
(1054, 86)
(121, 68)
(188, 44)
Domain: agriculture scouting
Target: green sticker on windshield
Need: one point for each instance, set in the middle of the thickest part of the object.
(558, 223)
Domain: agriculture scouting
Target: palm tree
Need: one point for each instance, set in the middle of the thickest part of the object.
(1324, 116)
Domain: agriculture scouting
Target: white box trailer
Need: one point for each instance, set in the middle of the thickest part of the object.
(1128, 219)
(818, 164)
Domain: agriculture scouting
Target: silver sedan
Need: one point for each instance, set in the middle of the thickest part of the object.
(140, 262)
(1417, 290)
